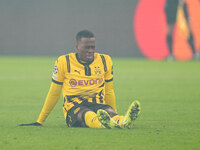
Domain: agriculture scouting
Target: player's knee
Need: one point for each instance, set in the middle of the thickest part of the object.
(170, 29)
(111, 112)
(81, 114)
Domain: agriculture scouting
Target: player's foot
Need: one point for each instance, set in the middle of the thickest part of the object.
(196, 55)
(106, 120)
(131, 115)
(170, 57)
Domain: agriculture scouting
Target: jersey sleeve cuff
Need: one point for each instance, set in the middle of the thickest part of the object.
(60, 83)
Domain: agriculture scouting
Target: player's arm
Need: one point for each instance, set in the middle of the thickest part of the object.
(109, 90)
(54, 91)
(110, 95)
(51, 100)
(53, 94)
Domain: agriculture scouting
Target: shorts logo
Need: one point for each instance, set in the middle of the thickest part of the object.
(73, 82)
(55, 69)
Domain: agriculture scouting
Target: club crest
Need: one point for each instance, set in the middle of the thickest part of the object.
(97, 71)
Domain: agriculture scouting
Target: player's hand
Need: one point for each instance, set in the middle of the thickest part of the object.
(31, 124)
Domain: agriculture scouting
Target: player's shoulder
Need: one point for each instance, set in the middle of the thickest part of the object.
(64, 57)
(106, 56)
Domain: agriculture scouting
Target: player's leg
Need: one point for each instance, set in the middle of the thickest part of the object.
(115, 116)
(170, 12)
(106, 120)
(131, 115)
(191, 42)
(104, 116)
(170, 28)
(88, 118)
(101, 119)
(81, 116)
(128, 120)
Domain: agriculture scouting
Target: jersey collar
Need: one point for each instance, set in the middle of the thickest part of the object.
(82, 62)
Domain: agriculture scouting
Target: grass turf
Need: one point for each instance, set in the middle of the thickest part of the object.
(168, 92)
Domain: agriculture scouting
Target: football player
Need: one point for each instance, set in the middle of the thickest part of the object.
(172, 7)
(86, 81)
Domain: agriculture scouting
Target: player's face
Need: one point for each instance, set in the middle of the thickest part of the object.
(86, 49)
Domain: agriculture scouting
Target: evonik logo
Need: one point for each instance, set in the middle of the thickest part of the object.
(74, 82)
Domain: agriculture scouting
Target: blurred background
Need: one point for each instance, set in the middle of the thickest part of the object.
(128, 28)
(34, 32)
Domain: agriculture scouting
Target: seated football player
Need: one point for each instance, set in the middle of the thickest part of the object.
(86, 81)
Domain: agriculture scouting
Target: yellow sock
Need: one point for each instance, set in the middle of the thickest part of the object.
(118, 119)
(91, 120)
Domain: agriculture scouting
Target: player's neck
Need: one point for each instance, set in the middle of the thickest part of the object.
(81, 60)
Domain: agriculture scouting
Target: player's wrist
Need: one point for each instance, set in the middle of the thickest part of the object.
(39, 122)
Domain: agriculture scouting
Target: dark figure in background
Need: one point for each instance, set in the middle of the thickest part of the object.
(171, 7)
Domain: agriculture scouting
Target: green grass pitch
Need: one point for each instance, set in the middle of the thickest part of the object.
(169, 93)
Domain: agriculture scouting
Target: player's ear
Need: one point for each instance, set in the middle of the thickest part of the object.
(77, 46)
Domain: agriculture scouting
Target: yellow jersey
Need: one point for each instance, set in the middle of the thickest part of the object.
(82, 81)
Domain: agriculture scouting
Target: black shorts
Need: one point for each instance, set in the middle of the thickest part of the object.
(72, 114)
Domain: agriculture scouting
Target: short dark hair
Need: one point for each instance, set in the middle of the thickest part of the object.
(84, 33)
